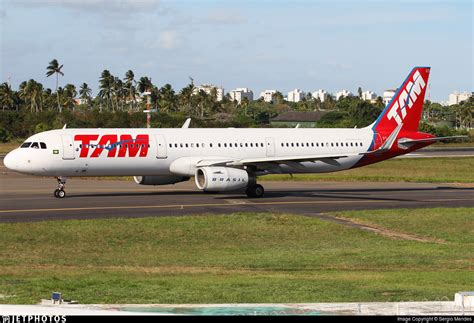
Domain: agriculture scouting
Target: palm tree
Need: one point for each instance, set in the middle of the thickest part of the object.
(145, 86)
(7, 96)
(85, 93)
(55, 68)
(106, 87)
(168, 98)
(69, 96)
(31, 92)
(129, 84)
(185, 96)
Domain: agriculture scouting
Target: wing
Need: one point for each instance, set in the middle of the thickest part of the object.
(290, 160)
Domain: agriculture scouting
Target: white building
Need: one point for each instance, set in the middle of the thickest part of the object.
(267, 95)
(343, 94)
(207, 88)
(296, 95)
(369, 96)
(320, 94)
(456, 97)
(240, 93)
(388, 95)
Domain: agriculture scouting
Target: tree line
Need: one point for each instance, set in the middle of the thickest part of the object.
(120, 103)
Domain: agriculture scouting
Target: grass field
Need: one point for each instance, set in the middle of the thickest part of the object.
(241, 258)
(422, 170)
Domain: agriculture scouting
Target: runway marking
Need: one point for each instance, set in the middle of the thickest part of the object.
(182, 206)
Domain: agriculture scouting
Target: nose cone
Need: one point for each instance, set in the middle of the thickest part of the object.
(9, 160)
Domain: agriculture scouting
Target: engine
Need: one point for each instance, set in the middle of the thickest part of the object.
(221, 178)
(159, 179)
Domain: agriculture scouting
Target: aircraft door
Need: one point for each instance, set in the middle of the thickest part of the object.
(270, 144)
(161, 151)
(68, 147)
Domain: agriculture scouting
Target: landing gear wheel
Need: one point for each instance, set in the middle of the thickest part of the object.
(255, 191)
(59, 193)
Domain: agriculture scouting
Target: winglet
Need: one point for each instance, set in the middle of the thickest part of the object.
(186, 123)
(64, 127)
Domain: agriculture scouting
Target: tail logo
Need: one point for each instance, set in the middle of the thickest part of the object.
(407, 97)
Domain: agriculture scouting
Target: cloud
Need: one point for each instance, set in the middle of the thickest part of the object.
(168, 39)
(129, 6)
(225, 17)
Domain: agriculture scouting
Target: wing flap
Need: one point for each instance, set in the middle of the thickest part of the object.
(329, 159)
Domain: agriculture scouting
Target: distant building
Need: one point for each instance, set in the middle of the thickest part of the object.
(343, 94)
(296, 95)
(320, 94)
(240, 93)
(268, 95)
(456, 97)
(369, 96)
(207, 88)
(293, 118)
(388, 95)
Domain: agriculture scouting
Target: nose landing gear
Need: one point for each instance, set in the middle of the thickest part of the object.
(60, 192)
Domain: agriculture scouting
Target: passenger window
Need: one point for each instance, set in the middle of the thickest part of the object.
(219, 145)
(297, 144)
(197, 145)
(35, 145)
(246, 145)
(210, 145)
(171, 145)
(25, 145)
(230, 145)
(43, 145)
(187, 146)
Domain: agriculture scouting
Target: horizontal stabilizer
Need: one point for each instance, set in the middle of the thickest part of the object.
(408, 141)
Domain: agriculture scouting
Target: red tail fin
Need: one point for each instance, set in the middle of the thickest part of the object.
(406, 105)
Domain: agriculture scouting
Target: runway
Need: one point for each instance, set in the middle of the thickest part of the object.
(27, 198)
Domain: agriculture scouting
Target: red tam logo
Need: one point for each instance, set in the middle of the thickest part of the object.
(125, 147)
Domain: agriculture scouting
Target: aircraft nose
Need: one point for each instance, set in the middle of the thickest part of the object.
(9, 160)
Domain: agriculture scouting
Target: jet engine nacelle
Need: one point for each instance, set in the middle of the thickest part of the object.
(221, 178)
(159, 180)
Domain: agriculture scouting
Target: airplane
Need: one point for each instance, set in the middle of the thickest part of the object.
(226, 159)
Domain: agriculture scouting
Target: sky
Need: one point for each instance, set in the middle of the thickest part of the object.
(282, 45)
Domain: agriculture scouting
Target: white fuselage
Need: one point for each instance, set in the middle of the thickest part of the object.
(166, 149)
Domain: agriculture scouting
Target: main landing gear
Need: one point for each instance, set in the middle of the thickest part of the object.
(255, 190)
(60, 192)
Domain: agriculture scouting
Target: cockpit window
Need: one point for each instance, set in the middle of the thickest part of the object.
(25, 145)
(35, 145)
(43, 145)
